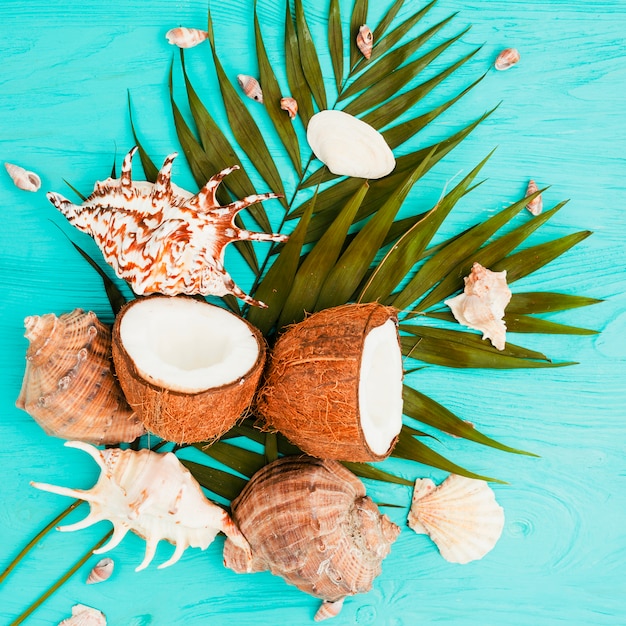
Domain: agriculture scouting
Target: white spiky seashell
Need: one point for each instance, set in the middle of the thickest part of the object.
(84, 616)
(22, 178)
(102, 571)
(153, 495)
(461, 516)
(348, 146)
(482, 303)
(186, 37)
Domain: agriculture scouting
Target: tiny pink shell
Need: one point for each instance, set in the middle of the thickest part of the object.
(290, 105)
(101, 572)
(365, 41)
(186, 37)
(328, 610)
(250, 86)
(535, 206)
(507, 58)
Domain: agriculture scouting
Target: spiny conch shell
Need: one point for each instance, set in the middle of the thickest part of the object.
(309, 521)
(290, 105)
(101, 572)
(535, 206)
(69, 388)
(23, 179)
(250, 86)
(506, 59)
(161, 238)
(365, 41)
(153, 495)
(461, 516)
(481, 305)
(349, 146)
(186, 37)
(84, 616)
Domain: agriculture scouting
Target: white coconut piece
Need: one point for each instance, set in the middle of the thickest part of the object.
(349, 146)
(186, 346)
(380, 387)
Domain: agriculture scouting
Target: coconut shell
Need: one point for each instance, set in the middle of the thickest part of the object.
(311, 383)
(185, 417)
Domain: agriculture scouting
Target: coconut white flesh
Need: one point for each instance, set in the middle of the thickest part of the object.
(380, 387)
(187, 346)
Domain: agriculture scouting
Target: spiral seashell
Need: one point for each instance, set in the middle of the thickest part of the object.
(68, 387)
(250, 86)
(309, 521)
(328, 610)
(101, 572)
(506, 59)
(290, 105)
(23, 179)
(186, 37)
(461, 516)
(365, 41)
(535, 206)
(84, 616)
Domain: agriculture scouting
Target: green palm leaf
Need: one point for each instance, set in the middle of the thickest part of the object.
(335, 42)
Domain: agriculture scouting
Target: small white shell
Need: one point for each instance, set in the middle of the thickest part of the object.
(23, 179)
(101, 572)
(250, 86)
(290, 105)
(186, 37)
(461, 516)
(482, 303)
(365, 41)
(84, 616)
(535, 206)
(506, 59)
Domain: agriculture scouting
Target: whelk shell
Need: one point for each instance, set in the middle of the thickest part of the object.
(365, 41)
(250, 86)
(186, 37)
(84, 616)
(23, 179)
(290, 105)
(153, 495)
(506, 59)
(535, 206)
(482, 303)
(101, 572)
(69, 388)
(461, 516)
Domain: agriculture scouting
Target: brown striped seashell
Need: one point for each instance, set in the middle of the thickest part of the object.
(506, 59)
(84, 616)
(309, 521)
(102, 571)
(250, 86)
(186, 37)
(535, 206)
(69, 388)
(365, 41)
(23, 179)
(290, 105)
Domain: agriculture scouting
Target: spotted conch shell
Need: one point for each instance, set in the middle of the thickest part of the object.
(68, 387)
(22, 178)
(309, 521)
(482, 303)
(153, 495)
(461, 516)
(186, 37)
(84, 616)
(161, 238)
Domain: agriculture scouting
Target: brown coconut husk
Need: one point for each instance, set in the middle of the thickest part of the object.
(185, 417)
(311, 383)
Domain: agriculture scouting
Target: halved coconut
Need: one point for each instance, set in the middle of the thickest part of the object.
(188, 368)
(333, 384)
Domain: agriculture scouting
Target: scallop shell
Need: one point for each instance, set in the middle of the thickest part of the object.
(461, 516)
(69, 388)
(23, 179)
(535, 206)
(481, 305)
(153, 495)
(365, 41)
(161, 238)
(506, 59)
(290, 105)
(250, 86)
(309, 521)
(101, 572)
(84, 616)
(186, 37)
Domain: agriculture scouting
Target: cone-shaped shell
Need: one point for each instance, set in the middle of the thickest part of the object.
(182, 414)
(461, 516)
(310, 522)
(101, 571)
(22, 178)
(69, 387)
(313, 392)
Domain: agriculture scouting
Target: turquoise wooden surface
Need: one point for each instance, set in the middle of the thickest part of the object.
(63, 112)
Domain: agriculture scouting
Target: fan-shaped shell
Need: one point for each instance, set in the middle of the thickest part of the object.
(84, 616)
(461, 516)
(69, 387)
(310, 522)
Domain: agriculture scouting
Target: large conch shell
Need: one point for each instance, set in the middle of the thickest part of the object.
(153, 495)
(482, 303)
(309, 521)
(461, 516)
(68, 387)
(161, 238)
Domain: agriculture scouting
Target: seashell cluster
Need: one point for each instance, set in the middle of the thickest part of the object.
(101, 571)
(161, 238)
(68, 387)
(84, 616)
(535, 206)
(250, 86)
(153, 495)
(290, 105)
(461, 516)
(506, 59)
(309, 521)
(186, 37)
(482, 303)
(23, 179)
(365, 41)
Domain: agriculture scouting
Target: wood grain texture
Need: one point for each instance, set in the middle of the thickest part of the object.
(66, 71)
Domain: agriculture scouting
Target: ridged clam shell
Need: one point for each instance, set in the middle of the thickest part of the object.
(461, 516)
(250, 86)
(84, 616)
(102, 571)
(365, 41)
(23, 179)
(68, 387)
(186, 37)
(310, 522)
(506, 59)
(290, 105)
(535, 206)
